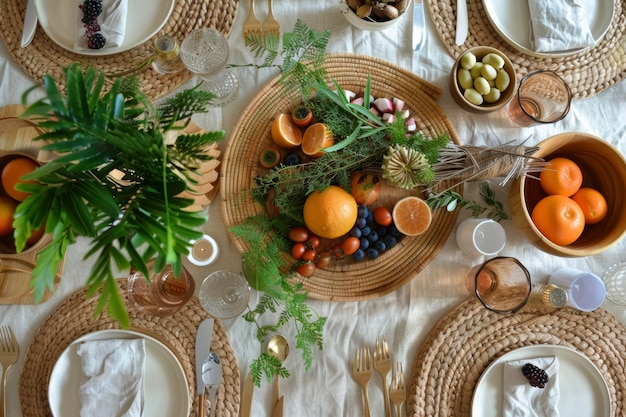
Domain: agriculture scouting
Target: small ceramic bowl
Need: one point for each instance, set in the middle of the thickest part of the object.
(376, 21)
(603, 168)
(457, 91)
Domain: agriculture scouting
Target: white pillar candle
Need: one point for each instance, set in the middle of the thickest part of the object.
(203, 251)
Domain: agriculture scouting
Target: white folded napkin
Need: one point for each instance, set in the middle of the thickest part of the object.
(112, 23)
(523, 400)
(558, 25)
(112, 378)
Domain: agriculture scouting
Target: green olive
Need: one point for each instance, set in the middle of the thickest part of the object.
(492, 96)
(494, 60)
(468, 60)
(482, 85)
(465, 79)
(473, 96)
(502, 80)
(488, 71)
(475, 71)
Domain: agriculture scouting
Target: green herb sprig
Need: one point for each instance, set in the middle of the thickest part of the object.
(452, 200)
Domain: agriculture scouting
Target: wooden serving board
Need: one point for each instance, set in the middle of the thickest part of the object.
(16, 137)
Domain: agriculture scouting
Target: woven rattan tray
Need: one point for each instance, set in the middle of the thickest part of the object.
(461, 346)
(74, 318)
(587, 73)
(345, 281)
(44, 56)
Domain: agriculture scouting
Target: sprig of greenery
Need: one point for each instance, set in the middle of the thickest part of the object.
(266, 270)
(96, 132)
(451, 200)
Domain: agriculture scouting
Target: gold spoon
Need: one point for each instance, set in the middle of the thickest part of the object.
(278, 347)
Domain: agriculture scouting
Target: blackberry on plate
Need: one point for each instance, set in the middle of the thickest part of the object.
(536, 376)
(96, 41)
(92, 8)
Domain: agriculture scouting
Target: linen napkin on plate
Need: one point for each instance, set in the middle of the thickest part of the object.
(523, 400)
(558, 25)
(112, 378)
(111, 22)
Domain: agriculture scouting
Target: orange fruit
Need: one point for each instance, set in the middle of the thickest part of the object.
(412, 216)
(285, 133)
(562, 177)
(35, 235)
(330, 213)
(593, 204)
(11, 174)
(560, 219)
(316, 137)
(7, 210)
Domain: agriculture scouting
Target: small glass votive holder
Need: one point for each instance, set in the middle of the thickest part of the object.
(164, 294)
(224, 294)
(480, 237)
(167, 59)
(502, 284)
(615, 280)
(542, 97)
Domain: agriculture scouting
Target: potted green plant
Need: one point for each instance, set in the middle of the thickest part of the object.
(98, 128)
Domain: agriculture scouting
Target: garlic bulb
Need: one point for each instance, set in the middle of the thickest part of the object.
(404, 167)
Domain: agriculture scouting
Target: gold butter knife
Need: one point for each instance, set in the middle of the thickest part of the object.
(246, 396)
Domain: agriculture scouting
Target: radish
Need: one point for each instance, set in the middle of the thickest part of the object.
(384, 105)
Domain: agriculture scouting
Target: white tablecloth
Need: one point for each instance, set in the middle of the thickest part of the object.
(404, 316)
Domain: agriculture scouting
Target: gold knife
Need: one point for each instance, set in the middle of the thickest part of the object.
(278, 408)
(246, 396)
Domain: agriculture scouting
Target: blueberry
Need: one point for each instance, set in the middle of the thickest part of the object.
(372, 253)
(364, 243)
(363, 212)
(292, 158)
(359, 255)
(382, 231)
(370, 217)
(393, 230)
(360, 223)
(372, 237)
(365, 231)
(380, 246)
(390, 241)
(355, 231)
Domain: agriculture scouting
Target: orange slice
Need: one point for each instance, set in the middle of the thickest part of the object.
(412, 216)
(316, 137)
(285, 133)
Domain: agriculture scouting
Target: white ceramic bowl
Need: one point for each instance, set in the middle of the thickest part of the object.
(363, 24)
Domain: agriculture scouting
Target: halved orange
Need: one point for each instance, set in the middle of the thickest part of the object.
(316, 137)
(285, 133)
(412, 216)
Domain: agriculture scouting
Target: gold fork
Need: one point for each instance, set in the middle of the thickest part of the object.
(362, 373)
(271, 25)
(382, 363)
(252, 24)
(397, 391)
(9, 352)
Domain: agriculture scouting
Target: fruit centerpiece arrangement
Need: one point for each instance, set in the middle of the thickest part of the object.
(334, 161)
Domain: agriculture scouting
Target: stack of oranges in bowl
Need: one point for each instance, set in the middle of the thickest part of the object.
(577, 208)
(12, 168)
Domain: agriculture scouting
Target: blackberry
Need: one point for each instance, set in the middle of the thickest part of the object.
(96, 41)
(536, 376)
(92, 8)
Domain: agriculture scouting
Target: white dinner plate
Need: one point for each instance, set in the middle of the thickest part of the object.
(143, 20)
(583, 390)
(511, 19)
(165, 384)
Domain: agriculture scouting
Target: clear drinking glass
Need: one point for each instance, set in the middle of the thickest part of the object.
(205, 52)
(224, 294)
(502, 284)
(164, 294)
(542, 97)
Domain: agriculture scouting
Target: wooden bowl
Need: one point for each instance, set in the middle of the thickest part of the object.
(370, 25)
(457, 92)
(603, 168)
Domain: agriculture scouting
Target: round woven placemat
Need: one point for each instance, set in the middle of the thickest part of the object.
(347, 281)
(461, 346)
(74, 318)
(587, 73)
(44, 56)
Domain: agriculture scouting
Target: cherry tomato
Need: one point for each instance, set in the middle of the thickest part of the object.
(297, 250)
(323, 260)
(313, 242)
(382, 216)
(309, 255)
(336, 252)
(299, 234)
(307, 269)
(350, 245)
